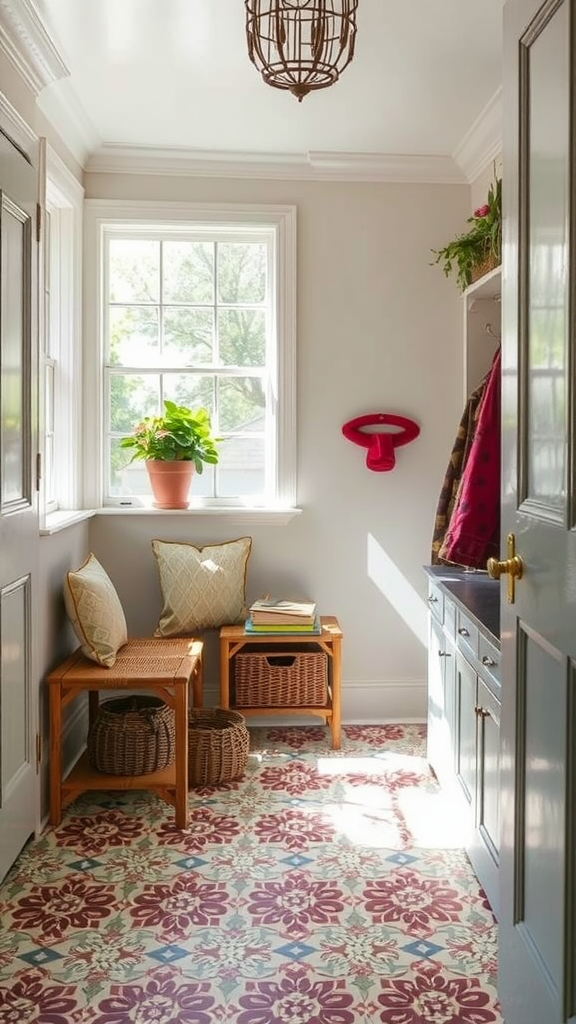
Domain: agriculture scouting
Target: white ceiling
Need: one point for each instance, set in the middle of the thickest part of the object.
(175, 74)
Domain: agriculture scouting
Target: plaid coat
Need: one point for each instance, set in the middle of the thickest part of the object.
(467, 523)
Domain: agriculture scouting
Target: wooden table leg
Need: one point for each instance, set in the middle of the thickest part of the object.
(55, 769)
(224, 674)
(93, 705)
(198, 684)
(181, 756)
(336, 692)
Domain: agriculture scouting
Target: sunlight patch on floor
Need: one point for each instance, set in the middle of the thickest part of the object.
(433, 819)
(376, 828)
(378, 764)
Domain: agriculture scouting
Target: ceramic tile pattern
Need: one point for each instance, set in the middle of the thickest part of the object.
(322, 888)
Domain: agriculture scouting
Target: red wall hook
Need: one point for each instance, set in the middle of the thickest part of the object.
(381, 443)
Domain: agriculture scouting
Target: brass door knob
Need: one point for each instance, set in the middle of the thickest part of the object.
(512, 567)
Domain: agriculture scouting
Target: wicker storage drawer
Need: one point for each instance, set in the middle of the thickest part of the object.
(281, 679)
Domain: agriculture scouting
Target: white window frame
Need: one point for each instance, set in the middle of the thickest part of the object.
(101, 215)
(64, 197)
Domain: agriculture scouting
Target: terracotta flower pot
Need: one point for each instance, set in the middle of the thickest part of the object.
(170, 482)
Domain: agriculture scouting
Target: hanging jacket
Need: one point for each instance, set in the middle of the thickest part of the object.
(455, 469)
(473, 535)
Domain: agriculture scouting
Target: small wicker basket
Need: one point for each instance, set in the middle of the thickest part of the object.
(282, 679)
(132, 736)
(484, 267)
(218, 743)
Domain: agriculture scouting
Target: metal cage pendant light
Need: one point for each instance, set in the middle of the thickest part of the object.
(301, 45)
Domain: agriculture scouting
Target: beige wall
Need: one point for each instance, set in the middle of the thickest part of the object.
(379, 329)
(56, 639)
(479, 188)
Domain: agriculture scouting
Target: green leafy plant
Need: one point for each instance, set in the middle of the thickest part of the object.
(180, 435)
(483, 242)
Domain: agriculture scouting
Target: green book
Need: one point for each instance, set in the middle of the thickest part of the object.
(315, 628)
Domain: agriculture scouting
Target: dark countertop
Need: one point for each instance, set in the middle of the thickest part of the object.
(475, 592)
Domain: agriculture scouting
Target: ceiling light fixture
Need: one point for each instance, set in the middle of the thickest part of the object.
(301, 45)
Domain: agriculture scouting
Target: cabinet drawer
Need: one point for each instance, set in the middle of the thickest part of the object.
(466, 636)
(436, 601)
(489, 664)
(449, 618)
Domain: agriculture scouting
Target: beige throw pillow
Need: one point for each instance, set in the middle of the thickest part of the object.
(201, 587)
(95, 611)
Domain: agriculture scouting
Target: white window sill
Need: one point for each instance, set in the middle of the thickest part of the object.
(233, 514)
(61, 520)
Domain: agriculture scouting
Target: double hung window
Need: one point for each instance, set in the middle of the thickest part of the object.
(61, 341)
(197, 306)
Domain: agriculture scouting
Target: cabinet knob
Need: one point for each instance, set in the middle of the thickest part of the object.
(432, 599)
(489, 662)
(463, 631)
(480, 711)
(444, 654)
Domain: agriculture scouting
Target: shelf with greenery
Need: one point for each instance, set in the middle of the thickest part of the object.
(478, 250)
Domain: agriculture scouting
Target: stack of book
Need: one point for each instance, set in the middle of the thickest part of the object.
(271, 615)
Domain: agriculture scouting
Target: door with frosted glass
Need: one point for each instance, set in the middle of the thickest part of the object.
(537, 983)
(18, 499)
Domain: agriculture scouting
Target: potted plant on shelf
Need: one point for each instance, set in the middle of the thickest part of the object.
(478, 250)
(173, 447)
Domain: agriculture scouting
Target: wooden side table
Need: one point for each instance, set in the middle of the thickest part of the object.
(234, 638)
(169, 669)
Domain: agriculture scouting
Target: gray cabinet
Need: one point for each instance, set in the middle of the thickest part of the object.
(464, 718)
(441, 701)
(485, 844)
(465, 734)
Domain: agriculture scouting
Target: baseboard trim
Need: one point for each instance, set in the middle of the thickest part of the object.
(362, 704)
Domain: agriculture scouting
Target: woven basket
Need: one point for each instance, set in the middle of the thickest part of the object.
(282, 679)
(132, 736)
(218, 745)
(484, 267)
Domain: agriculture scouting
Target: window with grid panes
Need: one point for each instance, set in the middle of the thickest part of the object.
(191, 314)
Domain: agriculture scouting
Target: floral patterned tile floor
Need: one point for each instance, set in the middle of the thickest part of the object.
(325, 887)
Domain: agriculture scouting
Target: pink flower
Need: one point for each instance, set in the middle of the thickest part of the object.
(52, 910)
(420, 904)
(482, 211)
(434, 996)
(296, 998)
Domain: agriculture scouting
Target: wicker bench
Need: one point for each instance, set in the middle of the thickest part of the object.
(167, 668)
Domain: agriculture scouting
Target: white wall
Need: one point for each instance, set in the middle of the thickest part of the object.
(479, 187)
(379, 329)
(56, 639)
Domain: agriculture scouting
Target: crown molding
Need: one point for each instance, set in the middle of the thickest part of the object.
(27, 44)
(113, 158)
(482, 144)
(15, 126)
(62, 108)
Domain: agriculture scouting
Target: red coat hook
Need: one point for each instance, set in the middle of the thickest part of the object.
(381, 444)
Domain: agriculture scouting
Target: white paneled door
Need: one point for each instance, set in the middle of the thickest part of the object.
(18, 496)
(537, 983)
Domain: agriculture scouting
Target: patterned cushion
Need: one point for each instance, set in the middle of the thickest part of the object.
(201, 587)
(95, 612)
